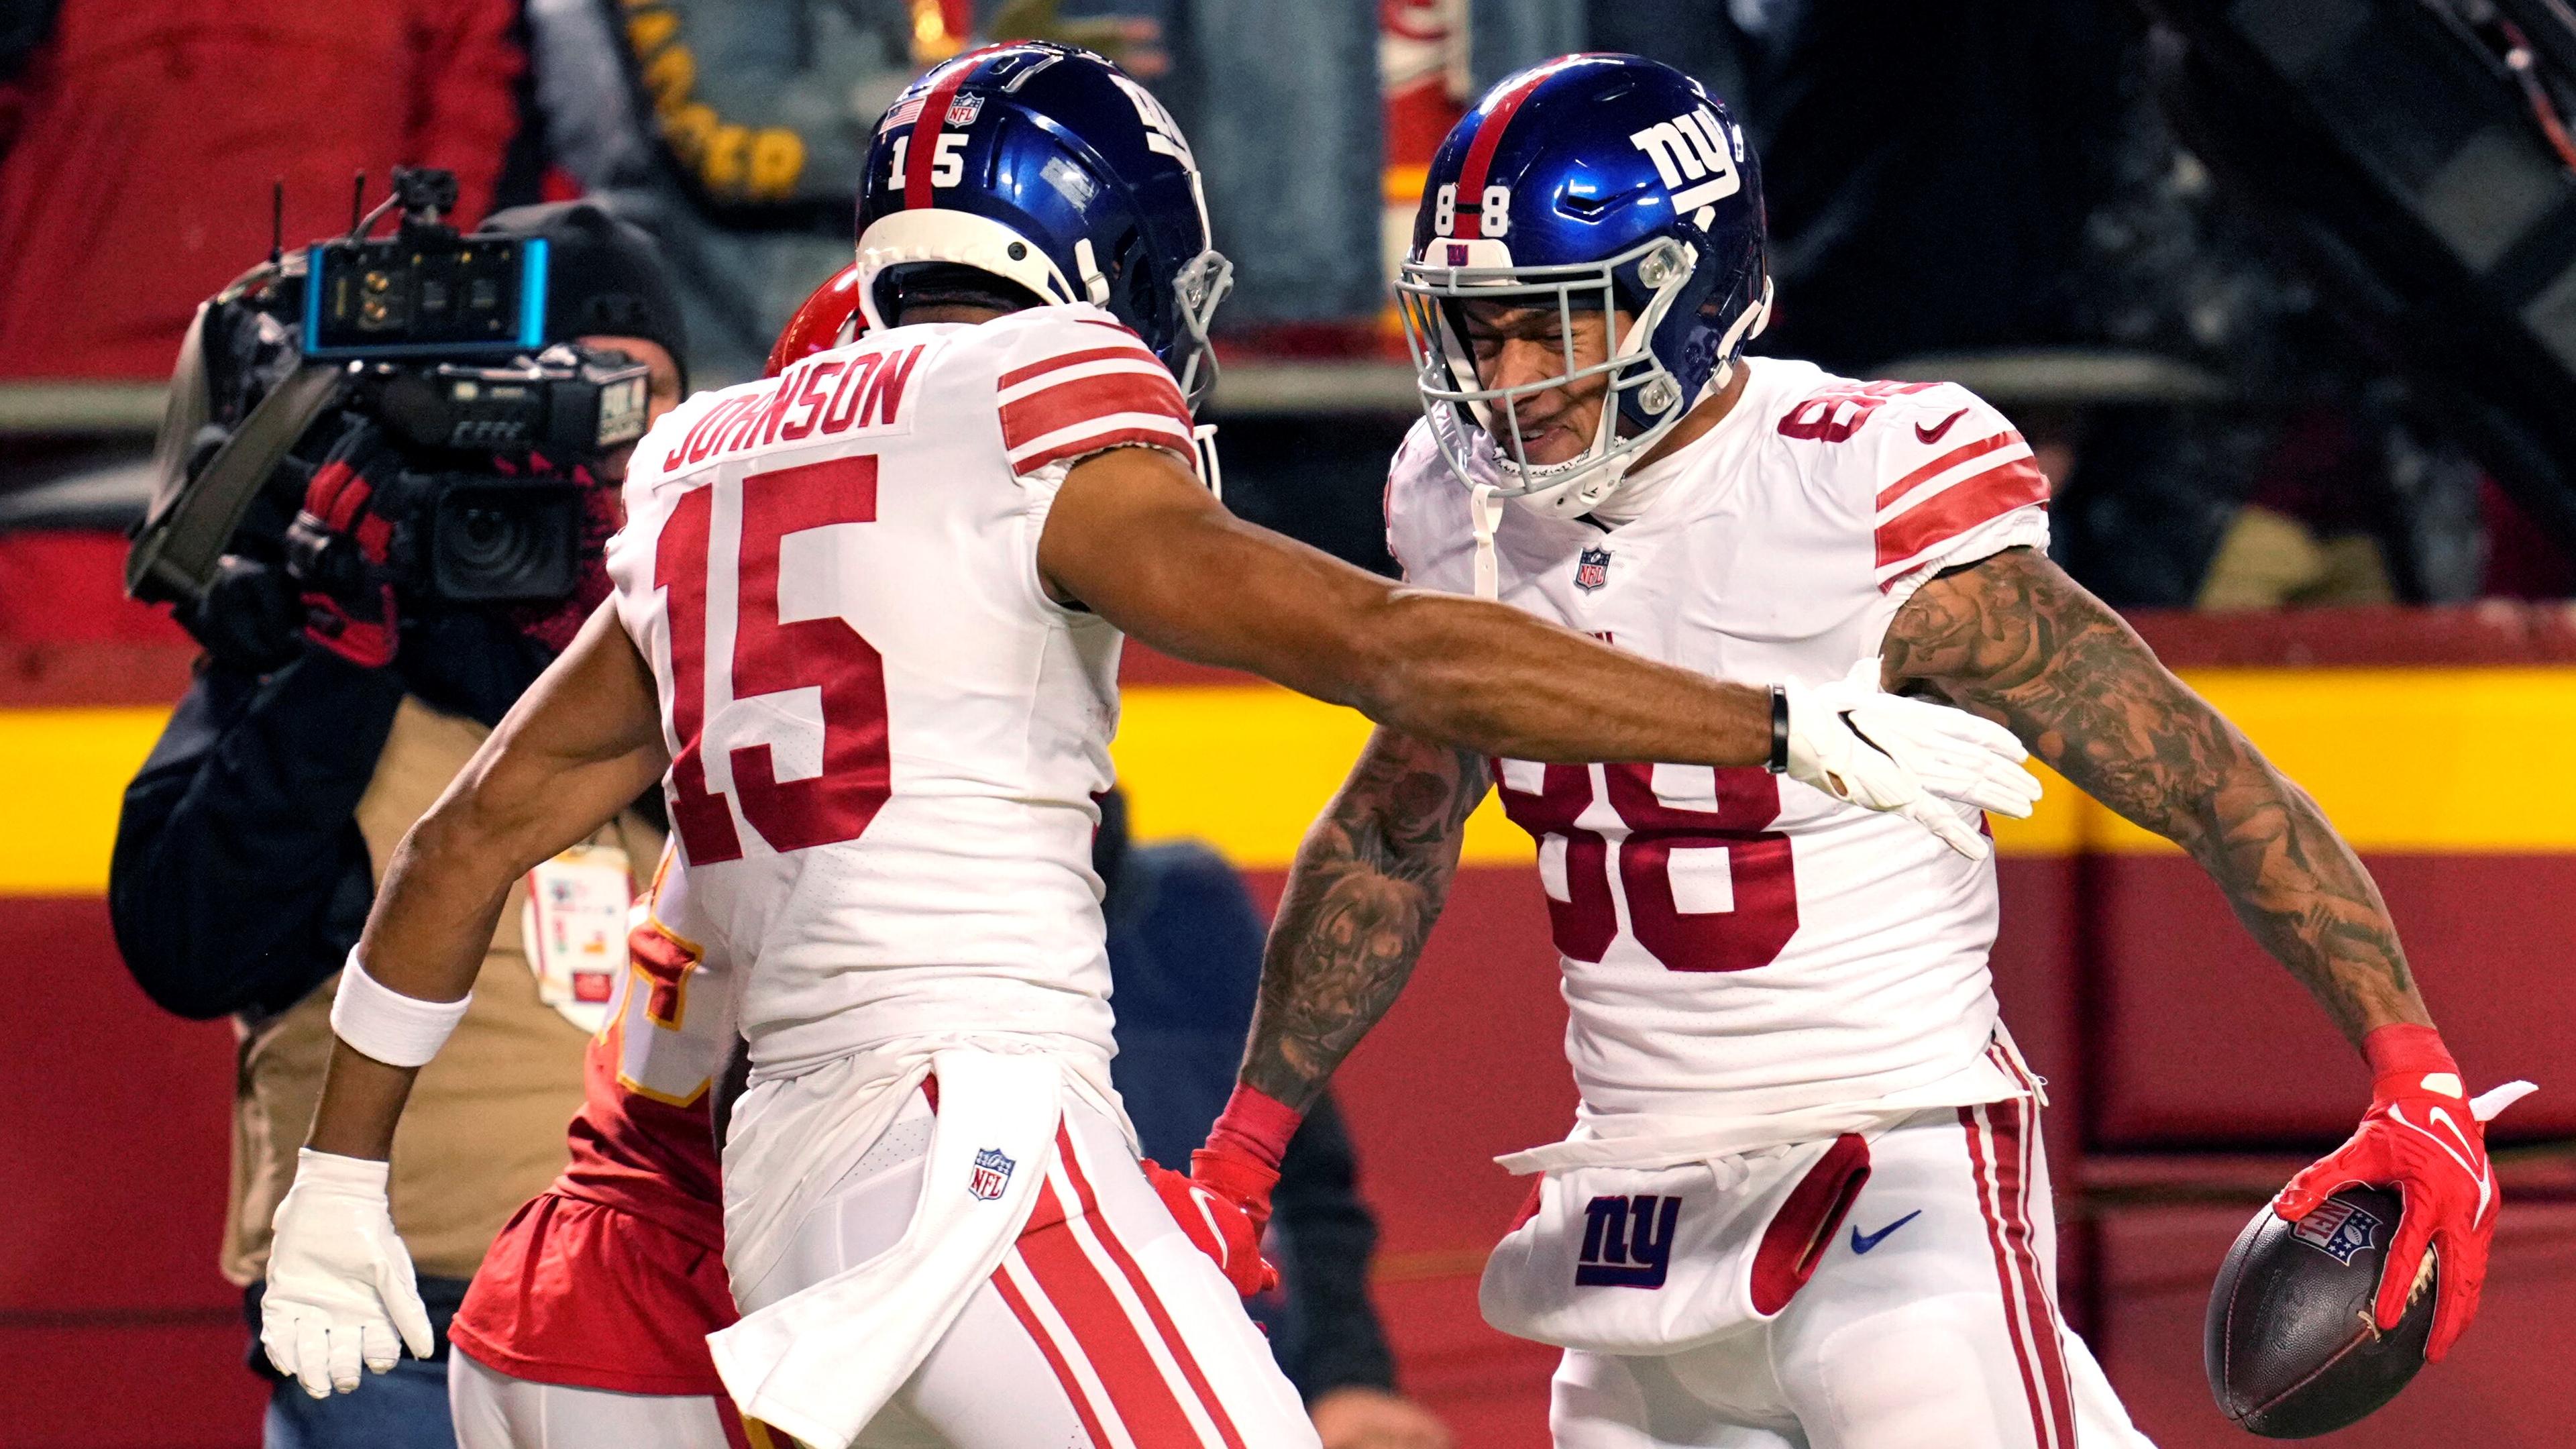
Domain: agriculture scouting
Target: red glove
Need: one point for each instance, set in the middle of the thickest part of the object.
(1220, 1228)
(337, 549)
(2425, 1138)
(1229, 1186)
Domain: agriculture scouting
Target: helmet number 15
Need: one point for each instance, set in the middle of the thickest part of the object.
(947, 161)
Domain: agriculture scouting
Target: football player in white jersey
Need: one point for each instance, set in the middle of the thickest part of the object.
(865, 634)
(1781, 1019)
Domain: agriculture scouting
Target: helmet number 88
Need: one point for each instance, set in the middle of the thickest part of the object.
(1493, 219)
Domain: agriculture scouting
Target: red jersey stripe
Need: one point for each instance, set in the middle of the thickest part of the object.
(1955, 510)
(1144, 1289)
(1090, 399)
(924, 145)
(1102, 442)
(1944, 463)
(1480, 152)
(2013, 1149)
(1973, 1119)
(1040, 368)
(1037, 1332)
(1142, 1397)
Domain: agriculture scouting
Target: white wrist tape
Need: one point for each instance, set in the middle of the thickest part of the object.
(351, 1176)
(382, 1023)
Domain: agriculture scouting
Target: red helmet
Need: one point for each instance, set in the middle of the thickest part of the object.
(828, 319)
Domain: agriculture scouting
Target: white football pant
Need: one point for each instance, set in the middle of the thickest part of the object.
(495, 1411)
(1107, 1329)
(1931, 1323)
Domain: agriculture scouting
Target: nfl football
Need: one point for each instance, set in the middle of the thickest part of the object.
(2290, 1347)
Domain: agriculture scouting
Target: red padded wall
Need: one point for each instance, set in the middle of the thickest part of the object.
(2204, 1039)
(116, 1332)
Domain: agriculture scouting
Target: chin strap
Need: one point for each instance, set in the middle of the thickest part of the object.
(1203, 437)
(1485, 511)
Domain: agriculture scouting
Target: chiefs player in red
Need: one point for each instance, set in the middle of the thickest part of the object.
(586, 1327)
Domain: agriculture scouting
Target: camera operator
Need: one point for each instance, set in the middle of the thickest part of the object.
(337, 699)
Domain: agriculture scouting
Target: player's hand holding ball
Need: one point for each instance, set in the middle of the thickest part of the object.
(1860, 744)
(340, 1286)
(2426, 1138)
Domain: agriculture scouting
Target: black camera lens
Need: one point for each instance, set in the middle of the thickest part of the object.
(495, 542)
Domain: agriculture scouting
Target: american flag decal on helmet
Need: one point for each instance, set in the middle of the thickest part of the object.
(992, 1174)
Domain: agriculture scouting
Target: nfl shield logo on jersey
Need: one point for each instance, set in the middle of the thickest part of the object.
(992, 1174)
(2336, 1229)
(1592, 569)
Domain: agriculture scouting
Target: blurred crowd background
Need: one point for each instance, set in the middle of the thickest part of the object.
(2263, 442)
(1987, 190)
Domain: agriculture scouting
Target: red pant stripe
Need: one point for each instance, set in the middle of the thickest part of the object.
(1037, 1332)
(2013, 1148)
(1973, 1119)
(1145, 1293)
(1139, 1394)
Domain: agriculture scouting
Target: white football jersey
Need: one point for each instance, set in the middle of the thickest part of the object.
(886, 740)
(1736, 944)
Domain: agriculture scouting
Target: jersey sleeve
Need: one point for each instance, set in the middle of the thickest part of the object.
(1954, 483)
(1075, 382)
(1402, 502)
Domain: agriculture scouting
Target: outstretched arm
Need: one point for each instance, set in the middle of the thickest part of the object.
(1362, 895)
(2014, 639)
(1133, 536)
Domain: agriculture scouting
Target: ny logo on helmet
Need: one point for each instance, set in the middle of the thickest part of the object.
(1696, 157)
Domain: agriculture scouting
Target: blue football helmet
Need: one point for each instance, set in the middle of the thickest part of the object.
(1590, 183)
(1047, 166)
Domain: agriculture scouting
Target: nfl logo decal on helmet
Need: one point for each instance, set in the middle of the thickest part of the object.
(1589, 184)
(1047, 166)
(992, 1174)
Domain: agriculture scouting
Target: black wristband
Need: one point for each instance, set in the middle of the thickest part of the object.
(1779, 761)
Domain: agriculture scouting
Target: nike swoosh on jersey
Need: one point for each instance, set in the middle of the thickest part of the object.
(1933, 434)
(1862, 1243)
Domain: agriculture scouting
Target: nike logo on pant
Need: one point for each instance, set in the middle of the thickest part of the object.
(1862, 1243)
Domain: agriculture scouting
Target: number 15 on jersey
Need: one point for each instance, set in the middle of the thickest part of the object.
(769, 656)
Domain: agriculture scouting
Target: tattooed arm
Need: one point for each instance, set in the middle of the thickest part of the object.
(1367, 884)
(2013, 638)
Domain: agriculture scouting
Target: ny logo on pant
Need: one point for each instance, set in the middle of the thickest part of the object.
(1627, 1241)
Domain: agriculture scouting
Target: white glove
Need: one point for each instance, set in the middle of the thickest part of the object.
(340, 1286)
(1856, 742)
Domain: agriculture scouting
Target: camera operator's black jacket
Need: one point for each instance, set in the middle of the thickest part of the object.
(239, 881)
